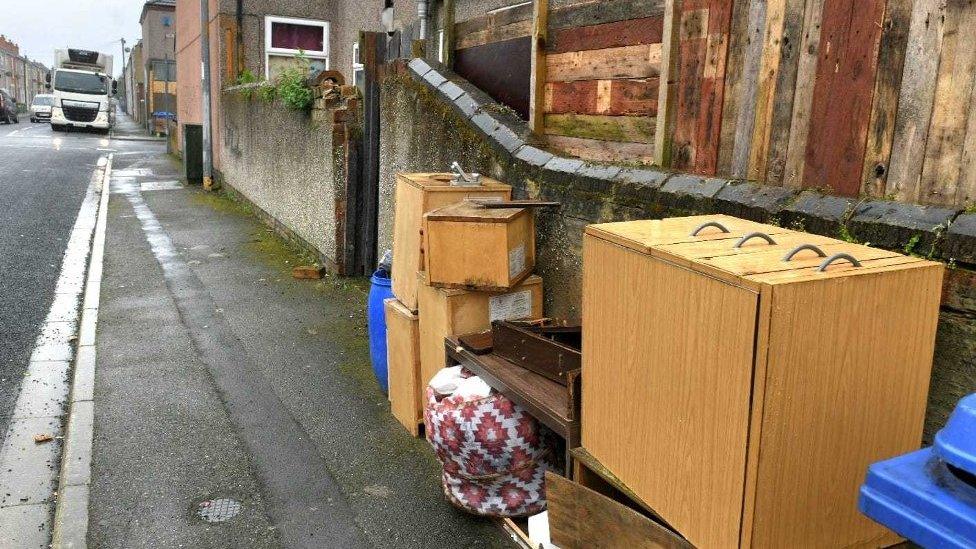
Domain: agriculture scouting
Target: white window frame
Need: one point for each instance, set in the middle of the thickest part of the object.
(357, 65)
(285, 52)
(441, 54)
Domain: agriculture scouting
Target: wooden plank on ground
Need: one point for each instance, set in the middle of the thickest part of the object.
(668, 86)
(806, 74)
(765, 86)
(842, 95)
(746, 122)
(582, 518)
(607, 97)
(494, 34)
(602, 151)
(954, 88)
(780, 122)
(915, 99)
(891, 62)
(540, 65)
(640, 61)
(632, 32)
(604, 11)
(735, 80)
(632, 129)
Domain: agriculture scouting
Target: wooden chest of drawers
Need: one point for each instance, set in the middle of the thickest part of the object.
(741, 395)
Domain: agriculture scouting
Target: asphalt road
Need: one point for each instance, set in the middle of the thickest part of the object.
(43, 179)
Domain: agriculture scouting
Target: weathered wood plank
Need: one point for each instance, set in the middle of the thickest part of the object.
(494, 34)
(498, 18)
(604, 11)
(712, 93)
(624, 62)
(540, 65)
(745, 125)
(915, 99)
(780, 122)
(806, 73)
(602, 151)
(966, 193)
(891, 62)
(842, 95)
(766, 85)
(954, 88)
(692, 47)
(734, 81)
(632, 32)
(668, 87)
(607, 97)
(630, 129)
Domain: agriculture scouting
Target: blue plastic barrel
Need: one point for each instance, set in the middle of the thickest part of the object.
(379, 290)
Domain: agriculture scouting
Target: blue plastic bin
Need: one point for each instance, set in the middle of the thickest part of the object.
(379, 290)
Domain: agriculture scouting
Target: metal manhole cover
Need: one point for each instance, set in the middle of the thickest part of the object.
(218, 510)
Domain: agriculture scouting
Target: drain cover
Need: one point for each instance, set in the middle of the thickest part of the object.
(218, 510)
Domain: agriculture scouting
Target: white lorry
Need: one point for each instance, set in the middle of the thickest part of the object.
(82, 85)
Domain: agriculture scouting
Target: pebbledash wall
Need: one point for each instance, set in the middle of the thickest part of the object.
(431, 117)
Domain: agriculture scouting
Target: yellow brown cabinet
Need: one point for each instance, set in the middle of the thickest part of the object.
(417, 194)
(742, 396)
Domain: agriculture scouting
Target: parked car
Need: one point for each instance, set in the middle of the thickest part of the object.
(40, 108)
(8, 107)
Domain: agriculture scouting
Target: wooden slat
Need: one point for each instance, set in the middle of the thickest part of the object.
(915, 99)
(954, 88)
(765, 86)
(796, 152)
(580, 518)
(735, 80)
(494, 34)
(607, 97)
(604, 11)
(635, 129)
(966, 194)
(498, 18)
(625, 62)
(849, 43)
(668, 87)
(691, 48)
(632, 32)
(602, 151)
(745, 125)
(540, 65)
(712, 96)
(780, 121)
(891, 61)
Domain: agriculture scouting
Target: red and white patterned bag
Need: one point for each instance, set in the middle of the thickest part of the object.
(493, 452)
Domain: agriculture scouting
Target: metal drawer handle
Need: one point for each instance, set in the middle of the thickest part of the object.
(838, 257)
(802, 247)
(750, 236)
(704, 226)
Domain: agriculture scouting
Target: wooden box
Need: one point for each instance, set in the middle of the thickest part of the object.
(403, 365)
(742, 396)
(417, 194)
(446, 312)
(467, 246)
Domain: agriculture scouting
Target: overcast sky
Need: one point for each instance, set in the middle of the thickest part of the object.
(40, 26)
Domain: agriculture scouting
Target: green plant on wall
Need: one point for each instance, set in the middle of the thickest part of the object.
(267, 92)
(245, 78)
(292, 85)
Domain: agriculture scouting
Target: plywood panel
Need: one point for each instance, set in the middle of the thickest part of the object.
(624, 62)
(667, 355)
(403, 363)
(502, 69)
(631, 32)
(604, 97)
(633, 129)
(915, 99)
(847, 67)
(849, 362)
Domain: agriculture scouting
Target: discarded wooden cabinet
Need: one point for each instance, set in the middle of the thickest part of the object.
(403, 365)
(417, 194)
(446, 312)
(740, 384)
(472, 247)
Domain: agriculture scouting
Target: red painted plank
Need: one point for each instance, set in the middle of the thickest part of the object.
(842, 94)
(633, 32)
(634, 97)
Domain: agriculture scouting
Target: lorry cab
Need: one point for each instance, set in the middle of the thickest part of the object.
(82, 87)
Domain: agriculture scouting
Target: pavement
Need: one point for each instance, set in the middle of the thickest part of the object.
(220, 377)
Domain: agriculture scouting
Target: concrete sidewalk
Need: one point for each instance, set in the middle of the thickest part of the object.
(220, 377)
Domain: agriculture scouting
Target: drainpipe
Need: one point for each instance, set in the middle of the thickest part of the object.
(205, 83)
(422, 13)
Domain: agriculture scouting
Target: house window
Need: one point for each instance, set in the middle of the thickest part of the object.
(286, 37)
(358, 69)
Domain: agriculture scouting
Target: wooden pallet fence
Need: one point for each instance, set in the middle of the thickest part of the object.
(602, 75)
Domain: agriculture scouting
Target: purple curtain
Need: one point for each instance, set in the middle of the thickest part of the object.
(297, 37)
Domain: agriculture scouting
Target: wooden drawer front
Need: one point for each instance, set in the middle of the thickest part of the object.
(667, 369)
(847, 375)
(403, 364)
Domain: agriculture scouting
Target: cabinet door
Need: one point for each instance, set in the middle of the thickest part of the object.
(667, 370)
